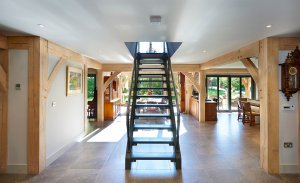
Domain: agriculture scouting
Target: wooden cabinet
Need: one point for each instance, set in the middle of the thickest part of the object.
(211, 111)
(111, 101)
(112, 109)
(194, 107)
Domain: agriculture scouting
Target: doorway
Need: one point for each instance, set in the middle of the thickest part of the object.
(226, 90)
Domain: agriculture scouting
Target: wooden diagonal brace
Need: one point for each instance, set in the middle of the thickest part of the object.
(193, 81)
(110, 79)
(252, 69)
(3, 80)
(55, 72)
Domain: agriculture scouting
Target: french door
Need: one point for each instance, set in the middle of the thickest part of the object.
(226, 90)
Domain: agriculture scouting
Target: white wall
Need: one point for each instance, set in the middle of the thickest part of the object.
(65, 121)
(17, 111)
(288, 128)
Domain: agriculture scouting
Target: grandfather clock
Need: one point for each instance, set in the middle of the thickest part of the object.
(290, 74)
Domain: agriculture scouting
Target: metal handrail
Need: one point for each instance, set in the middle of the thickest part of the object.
(129, 97)
(175, 92)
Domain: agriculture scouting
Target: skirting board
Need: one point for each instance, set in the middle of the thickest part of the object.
(17, 169)
(60, 152)
(289, 169)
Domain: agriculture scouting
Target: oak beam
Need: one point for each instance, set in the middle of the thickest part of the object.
(3, 42)
(93, 64)
(227, 71)
(55, 49)
(59, 65)
(186, 67)
(110, 79)
(251, 67)
(117, 67)
(287, 44)
(192, 80)
(128, 67)
(251, 50)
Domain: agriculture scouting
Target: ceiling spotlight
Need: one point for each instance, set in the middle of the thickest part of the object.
(204, 51)
(41, 25)
(155, 19)
(269, 26)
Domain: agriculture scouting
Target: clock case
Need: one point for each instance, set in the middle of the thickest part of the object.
(290, 82)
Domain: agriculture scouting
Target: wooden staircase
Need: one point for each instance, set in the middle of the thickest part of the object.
(152, 106)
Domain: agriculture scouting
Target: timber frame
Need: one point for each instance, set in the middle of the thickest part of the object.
(40, 84)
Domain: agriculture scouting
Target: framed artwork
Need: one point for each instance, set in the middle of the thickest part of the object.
(74, 81)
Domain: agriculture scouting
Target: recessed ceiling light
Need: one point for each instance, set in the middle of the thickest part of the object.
(155, 19)
(41, 25)
(269, 26)
(204, 51)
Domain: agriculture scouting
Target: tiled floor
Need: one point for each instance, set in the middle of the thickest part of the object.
(225, 151)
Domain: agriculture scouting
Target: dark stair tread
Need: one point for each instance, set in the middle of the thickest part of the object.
(151, 68)
(153, 156)
(153, 140)
(151, 115)
(145, 74)
(152, 88)
(152, 81)
(152, 126)
(152, 62)
(152, 105)
(152, 96)
(151, 55)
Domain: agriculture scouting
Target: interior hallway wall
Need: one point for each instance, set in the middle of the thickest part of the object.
(17, 111)
(288, 128)
(65, 114)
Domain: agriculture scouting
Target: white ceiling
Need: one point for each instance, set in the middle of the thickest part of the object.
(99, 28)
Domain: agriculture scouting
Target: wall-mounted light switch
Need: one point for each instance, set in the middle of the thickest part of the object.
(18, 86)
(288, 145)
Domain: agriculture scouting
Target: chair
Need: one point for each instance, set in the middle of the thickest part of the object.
(240, 107)
(248, 114)
(92, 107)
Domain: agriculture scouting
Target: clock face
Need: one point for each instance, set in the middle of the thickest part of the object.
(293, 71)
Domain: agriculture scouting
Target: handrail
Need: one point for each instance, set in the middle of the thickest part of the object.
(129, 96)
(175, 92)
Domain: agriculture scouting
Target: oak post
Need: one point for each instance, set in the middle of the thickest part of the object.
(100, 97)
(269, 104)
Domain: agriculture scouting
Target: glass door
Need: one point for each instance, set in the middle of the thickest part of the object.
(223, 94)
(235, 92)
(212, 88)
(226, 90)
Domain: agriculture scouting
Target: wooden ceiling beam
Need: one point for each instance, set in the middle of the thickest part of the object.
(128, 67)
(227, 71)
(287, 44)
(62, 52)
(117, 67)
(251, 50)
(3, 42)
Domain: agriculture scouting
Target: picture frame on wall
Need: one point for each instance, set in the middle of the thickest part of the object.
(74, 81)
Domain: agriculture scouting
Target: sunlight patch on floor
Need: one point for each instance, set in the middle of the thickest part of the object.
(112, 133)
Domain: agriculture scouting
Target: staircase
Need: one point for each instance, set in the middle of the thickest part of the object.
(153, 115)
